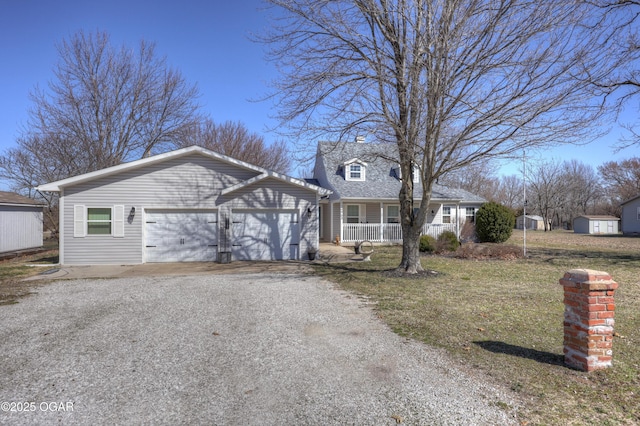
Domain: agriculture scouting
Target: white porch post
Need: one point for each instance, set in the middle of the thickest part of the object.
(381, 222)
(458, 220)
(331, 220)
(341, 222)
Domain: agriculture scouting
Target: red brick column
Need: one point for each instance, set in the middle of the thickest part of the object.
(588, 319)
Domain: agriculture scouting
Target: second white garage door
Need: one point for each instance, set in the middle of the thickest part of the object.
(181, 235)
(266, 234)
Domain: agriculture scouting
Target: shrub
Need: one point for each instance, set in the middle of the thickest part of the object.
(427, 244)
(494, 223)
(468, 233)
(447, 241)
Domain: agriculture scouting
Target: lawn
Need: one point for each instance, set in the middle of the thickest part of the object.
(504, 318)
(12, 271)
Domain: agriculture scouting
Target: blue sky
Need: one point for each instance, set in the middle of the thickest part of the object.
(206, 40)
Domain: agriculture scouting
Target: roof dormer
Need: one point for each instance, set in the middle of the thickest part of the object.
(397, 171)
(355, 170)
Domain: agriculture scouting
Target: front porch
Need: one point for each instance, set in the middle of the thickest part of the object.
(389, 232)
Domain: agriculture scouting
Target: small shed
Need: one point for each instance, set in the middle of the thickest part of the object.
(533, 222)
(630, 220)
(596, 225)
(20, 222)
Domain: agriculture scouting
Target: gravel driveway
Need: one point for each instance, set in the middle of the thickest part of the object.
(261, 349)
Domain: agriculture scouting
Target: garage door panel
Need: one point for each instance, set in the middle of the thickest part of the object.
(265, 235)
(181, 236)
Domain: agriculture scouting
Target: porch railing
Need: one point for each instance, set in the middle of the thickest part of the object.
(387, 232)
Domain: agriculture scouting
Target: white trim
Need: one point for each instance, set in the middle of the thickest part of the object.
(79, 221)
(118, 221)
(61, 225)
(362, 172)
(247, 182)
(58, 185)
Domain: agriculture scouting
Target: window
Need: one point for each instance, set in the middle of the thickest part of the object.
(446, 214)
(393, 214)
(471, 214)
(638, 213)
(355, 169)
(353, 213)
(98, 221)
(356, 172)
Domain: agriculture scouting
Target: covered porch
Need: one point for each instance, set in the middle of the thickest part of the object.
(379, 222)
(389, 232)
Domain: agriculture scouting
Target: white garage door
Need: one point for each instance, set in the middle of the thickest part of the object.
(181, 235)
(266, 235)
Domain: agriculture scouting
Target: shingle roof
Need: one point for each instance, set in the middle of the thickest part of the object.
(15, 199)
(381, 181)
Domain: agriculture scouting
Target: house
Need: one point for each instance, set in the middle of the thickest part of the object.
(363, 205)
(630, 218)
(596, 224)
(20, 222)
(186, 205)
(534, 222)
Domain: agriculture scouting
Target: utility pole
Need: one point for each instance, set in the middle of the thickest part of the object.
(524, 209)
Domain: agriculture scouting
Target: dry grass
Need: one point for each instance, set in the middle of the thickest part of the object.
(12, 271)
(504, 318)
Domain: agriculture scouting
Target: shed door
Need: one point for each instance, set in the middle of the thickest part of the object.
(266, 235)
(181, 236)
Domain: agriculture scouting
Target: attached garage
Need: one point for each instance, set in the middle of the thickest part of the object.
(181, 236)
(189, 205)
(266, 235)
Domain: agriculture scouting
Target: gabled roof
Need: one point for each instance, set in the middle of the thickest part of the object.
(630, 200)
(262, 172)
(532, 216)
(12, 199)
(381, 181)
(599, 217)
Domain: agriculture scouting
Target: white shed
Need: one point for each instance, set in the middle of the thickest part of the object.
(596, 225)
(20, 222)
(533, 222)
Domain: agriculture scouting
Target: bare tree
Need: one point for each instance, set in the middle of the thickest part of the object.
(478, 178)
(510, 193)
(105, 106)
(583, 190)
(235, 140)
(621, 181)
(450, 82)
(547, 189)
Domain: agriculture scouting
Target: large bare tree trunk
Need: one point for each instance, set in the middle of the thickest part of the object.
(411, 250)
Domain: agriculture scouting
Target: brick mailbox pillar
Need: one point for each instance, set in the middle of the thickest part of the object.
(588, 319)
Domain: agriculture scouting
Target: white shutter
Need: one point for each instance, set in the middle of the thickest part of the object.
(118, 221)
(79, 221)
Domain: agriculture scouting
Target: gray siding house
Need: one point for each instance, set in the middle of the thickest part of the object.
(596, 225)
(363, 204)
(186, 205)
(20, 222)
(630, 220)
